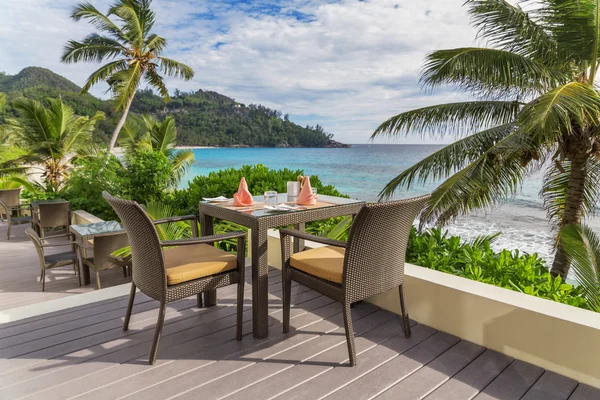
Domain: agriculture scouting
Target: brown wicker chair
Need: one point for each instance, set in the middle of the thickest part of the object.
(102, 259)
(11, 198)
(173, 273)
(48, 261)
(371, 262)
(12, 219)
(51, 215)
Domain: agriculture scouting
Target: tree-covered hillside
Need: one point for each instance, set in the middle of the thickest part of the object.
(203, 118)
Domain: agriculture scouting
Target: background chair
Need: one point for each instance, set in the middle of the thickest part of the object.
(166, 272)
(371, 262)
(11, 198)
(11, 218)
(102, 258)
(51, 215)
(48, 261)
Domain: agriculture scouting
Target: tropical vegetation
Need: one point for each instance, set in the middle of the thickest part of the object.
(534, 108)
(132, 50)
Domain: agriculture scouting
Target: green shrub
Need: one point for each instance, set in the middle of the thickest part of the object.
(225, 183)
(149, 174)
(89, 179)
(525, 273)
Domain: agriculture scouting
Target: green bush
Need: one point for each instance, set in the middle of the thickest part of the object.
(225, 183)
(89, 179)
(149, 174)
(525, 273)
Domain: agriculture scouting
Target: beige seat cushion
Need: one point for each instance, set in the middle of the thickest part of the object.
(324, 262)
(186, 263)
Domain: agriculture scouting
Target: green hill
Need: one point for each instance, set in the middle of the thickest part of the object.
(204, 118)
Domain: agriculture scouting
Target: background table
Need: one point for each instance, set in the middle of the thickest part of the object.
(260, 221)
(85, 232)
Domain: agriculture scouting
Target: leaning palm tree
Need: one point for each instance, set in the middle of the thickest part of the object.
(133, 50)
(160, 136)
(51, 136)
(583, 248)
(535, 108)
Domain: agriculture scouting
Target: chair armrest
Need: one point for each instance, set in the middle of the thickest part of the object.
(59, 244)
(20, 206)
(175, 219)
(57, 236)
(312, 238)
(204, 239)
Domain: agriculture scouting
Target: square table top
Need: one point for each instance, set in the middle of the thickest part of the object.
(88, 231)
(258, 210)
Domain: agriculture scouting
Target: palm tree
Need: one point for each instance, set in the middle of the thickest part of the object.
(535, 108)
(133, 50)
(582, 246)
(52, 136)
(160, 136)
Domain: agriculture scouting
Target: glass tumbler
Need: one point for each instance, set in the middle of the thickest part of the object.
(271, 198)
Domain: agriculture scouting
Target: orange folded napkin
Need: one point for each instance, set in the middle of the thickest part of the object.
(306, 196)
(243, 196)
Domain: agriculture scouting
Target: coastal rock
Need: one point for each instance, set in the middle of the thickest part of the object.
(337, 145)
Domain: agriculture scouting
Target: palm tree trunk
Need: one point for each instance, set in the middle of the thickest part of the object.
(115, 135)
(573, 206)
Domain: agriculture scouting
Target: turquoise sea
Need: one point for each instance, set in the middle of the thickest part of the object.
(363, 171)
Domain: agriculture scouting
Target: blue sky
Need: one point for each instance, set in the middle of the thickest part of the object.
(345, 64)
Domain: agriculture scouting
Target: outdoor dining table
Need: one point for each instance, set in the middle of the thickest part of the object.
(259, 220)
(85, 232)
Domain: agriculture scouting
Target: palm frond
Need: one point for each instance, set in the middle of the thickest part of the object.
(93, 48)
(510, 28)
(104, 72)
(582, 246)
(156, 44)
(156, 81)
(96, 18)
(180, 161)
(124, 84)
(555, 187)
(164, 136)
(175, 68)
(456, 118)
(138, 19)
(489, 72)
(444, 162)
(559, 111)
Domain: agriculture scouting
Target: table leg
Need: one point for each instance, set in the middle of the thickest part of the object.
(260, 283)
(83, 268)
(206, 228)
(299, 243)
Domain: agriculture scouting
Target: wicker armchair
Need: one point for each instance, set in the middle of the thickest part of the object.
(371, 262)
(48, 261)
(11, 198)
(12, 219)
(51, 215)
(165, 272)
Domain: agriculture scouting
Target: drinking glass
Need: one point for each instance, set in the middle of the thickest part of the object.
(314, 191)
(293, 188)
(271, 198)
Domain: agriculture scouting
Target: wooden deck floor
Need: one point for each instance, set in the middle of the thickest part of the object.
(20, 273)
(83, 353)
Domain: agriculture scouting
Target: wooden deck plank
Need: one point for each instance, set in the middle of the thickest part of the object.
(473, 378)
(318, 364)
(434, 374)
(585, 392)
(263, 365)
(512, 383)
(396, 369)
(136, 345)
(223, 364)
(100, 373)
(551, 386)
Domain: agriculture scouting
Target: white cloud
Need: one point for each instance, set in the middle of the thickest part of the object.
(348, 65)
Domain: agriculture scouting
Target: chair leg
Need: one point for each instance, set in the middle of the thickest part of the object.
(43, 278)
(76, 270)
(98, 280)
(240, 309)
(199, 300)
(349, 334)
(8, 232)
(129, 307)
(124, 272)
(159, 326)
(405, 319)
(287, 299)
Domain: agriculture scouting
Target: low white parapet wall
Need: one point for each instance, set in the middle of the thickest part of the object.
(83, 217)
(551, 335)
